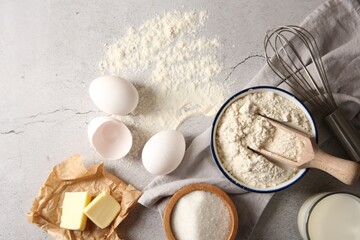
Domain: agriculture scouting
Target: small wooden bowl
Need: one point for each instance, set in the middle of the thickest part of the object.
(203, 187)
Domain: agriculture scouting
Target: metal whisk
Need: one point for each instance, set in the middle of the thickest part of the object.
(292, 53)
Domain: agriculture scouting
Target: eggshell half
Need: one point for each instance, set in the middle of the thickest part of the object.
(114, 95)
(163, 152)
(109, 137)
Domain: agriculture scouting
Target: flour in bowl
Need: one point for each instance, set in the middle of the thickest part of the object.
(241, 126)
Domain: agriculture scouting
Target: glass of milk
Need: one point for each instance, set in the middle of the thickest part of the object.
(330, 216)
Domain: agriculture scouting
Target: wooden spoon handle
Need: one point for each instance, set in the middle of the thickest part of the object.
(345, 170)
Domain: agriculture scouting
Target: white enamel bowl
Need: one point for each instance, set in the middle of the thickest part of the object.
(232, 99)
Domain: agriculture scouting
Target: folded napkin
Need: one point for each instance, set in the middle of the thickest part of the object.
(336, 28)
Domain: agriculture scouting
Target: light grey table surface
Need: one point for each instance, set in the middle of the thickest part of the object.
(49, 53)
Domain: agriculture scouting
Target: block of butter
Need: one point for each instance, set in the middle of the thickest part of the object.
(72, 216)
(102, 210)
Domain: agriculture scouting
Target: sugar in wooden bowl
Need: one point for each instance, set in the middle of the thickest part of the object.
(200, 211)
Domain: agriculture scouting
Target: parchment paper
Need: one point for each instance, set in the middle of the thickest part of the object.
(72, 176)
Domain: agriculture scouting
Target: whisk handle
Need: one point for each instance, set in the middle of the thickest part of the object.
(345, 132)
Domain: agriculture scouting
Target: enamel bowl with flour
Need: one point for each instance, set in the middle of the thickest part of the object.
(239, 125)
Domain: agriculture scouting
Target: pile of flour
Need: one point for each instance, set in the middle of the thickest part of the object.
(241, 127)
(173, 69)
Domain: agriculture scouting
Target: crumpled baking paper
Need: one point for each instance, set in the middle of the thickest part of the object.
(72, 176)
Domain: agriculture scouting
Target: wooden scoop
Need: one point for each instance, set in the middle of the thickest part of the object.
(312, 156)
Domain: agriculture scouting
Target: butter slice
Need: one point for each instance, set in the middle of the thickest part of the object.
(72, 216)
(102, 210)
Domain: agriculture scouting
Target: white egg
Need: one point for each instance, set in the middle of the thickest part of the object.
(163, 152)
(114, 95)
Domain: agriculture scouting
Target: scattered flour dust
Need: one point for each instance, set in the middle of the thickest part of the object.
(241, 126)
(200, 215)
(173, 69)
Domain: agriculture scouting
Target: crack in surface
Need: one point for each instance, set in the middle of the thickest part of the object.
(39, 121)
(29, 120)
(61, 110)
(11, 132)
(87, 112)
(243, 61)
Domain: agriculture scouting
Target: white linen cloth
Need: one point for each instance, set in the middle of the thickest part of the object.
(336, 28)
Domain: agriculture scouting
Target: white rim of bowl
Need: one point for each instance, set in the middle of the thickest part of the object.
(222, 109)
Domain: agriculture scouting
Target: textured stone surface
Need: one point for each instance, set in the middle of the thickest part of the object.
(49, 51)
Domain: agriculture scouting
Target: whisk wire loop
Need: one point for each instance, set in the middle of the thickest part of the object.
(293, 55)
(293, 68)
(301, 80)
